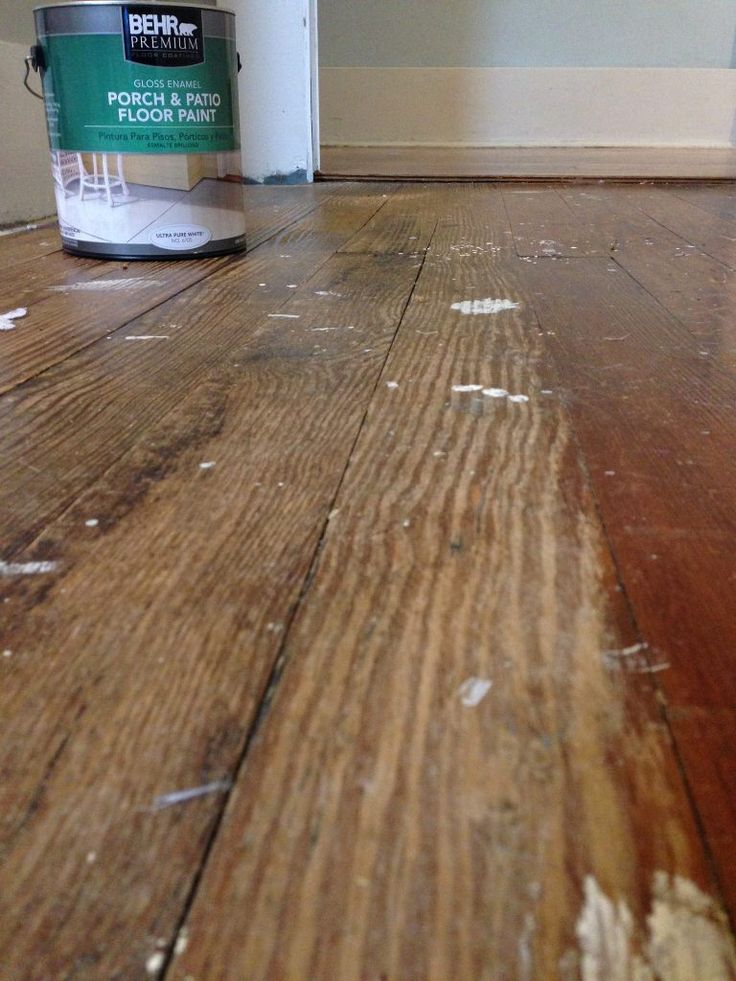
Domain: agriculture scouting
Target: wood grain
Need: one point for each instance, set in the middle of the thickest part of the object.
(382, 828)
(655, 421)
(454, 669)
(150, 674)
(64, 318)
(62, 430)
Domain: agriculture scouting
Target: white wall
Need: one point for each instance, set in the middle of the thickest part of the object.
(528, 72)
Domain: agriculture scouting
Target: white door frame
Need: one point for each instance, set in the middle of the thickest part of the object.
(278, 89)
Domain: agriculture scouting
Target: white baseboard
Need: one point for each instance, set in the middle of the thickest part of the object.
(687, 107)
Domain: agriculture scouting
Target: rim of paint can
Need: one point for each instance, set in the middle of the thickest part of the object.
(133, 3)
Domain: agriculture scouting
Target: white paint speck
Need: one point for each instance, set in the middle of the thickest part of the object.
(333, 514)
(7, 320)
(610, 473)
(392, 384)
(495, 393)
(473, 690)
(484, 307)
(284, 316)
(98, 285)
(182, 940)
(92, 522)
(155, 962)
(207, 465)
(147, 337)
(518, 398)
(406, 523)
(467, 388)
(26, 568)
(547, 391)
(184, 796)
(91, 858)
(292, 286)
(7, 652)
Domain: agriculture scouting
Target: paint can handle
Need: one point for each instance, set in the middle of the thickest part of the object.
(34, 60)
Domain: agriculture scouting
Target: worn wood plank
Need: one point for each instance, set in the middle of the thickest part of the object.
(150, 674)
(717, 199)
(697, 289)
(381, 827)
(28, 245)
(547, 223)
(655, 419)
(404, 226)
(62, 430)
(64, 312)
(714, 235)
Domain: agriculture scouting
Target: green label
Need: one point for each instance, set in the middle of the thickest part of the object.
(96, 100)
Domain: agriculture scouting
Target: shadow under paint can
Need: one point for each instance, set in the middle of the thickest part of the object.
(142, 113)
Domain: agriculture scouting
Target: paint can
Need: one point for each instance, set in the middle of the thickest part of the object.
(142, 114)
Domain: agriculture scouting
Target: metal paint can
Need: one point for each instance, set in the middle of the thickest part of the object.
(142, 114)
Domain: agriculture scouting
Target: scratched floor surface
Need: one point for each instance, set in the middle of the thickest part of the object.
(367, 599)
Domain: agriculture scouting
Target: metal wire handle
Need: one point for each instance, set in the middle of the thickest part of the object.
(33, 60)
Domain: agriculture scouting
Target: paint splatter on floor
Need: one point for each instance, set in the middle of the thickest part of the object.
(473, 690)
(7, 320)
(484, 307)
(192, 793)
(26, 568)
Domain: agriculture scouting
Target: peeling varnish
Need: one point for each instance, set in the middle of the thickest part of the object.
(26, 568)
(686, 937)
(484, 307)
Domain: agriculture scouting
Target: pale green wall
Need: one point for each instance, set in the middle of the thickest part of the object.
(527, 33)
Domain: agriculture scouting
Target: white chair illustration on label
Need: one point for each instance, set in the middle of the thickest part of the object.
(100, 180)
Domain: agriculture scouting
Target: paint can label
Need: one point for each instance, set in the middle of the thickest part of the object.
(141, 105)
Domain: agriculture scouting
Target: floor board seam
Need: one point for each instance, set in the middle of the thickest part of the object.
(281, 660)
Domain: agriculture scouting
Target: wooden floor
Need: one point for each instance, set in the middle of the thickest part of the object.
(368, 599)
(527, 163)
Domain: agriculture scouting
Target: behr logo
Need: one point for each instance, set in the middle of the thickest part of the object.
(163, 37)
(159, 24)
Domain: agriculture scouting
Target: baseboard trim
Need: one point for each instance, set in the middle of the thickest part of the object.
(529, 107)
